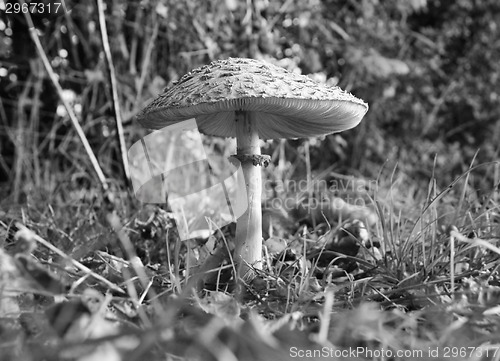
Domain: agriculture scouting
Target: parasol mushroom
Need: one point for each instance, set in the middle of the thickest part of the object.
(251, 100)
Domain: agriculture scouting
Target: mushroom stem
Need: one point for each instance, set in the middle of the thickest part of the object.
(249, 226)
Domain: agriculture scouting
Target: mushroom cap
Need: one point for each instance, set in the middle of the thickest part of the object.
(288, 105)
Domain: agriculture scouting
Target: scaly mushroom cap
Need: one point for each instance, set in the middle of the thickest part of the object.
(288, 105)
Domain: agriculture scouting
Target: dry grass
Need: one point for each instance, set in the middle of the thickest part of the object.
(435, 287)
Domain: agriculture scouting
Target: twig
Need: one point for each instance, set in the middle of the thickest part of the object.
(338, 29)
(114, 91)
(67, 106)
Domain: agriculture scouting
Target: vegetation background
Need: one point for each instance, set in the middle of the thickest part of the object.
(429, 70)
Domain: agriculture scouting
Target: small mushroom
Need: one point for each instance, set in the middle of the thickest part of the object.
(251, 100)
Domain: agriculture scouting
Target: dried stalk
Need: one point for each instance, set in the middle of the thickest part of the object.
(114, 91)
(67, 106)
(74, 262)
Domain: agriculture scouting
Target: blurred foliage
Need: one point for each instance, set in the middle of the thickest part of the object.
(428, 69)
